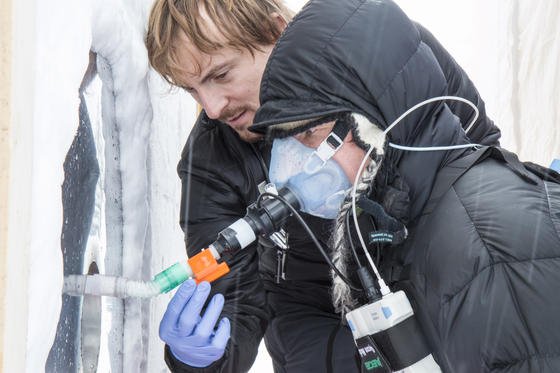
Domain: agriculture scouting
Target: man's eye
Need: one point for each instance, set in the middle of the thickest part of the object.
(310, 131)
(221, 76)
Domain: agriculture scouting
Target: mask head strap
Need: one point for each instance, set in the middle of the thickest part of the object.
(334, 141)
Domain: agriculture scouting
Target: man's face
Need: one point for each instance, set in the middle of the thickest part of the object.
(225, 83)
(349, 156)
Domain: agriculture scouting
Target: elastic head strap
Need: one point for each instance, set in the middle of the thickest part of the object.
(334, 141)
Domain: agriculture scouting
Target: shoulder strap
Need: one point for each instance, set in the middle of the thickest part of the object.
(448, 175)
(511, 160)
(544, 173)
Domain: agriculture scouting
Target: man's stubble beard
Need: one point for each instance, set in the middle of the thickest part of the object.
(243, 133)
(229, 113)
(249, 136)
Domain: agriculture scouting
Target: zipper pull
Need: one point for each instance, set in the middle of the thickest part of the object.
(280, 238)
(280, 261)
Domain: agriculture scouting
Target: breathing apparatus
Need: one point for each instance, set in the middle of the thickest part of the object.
(263, 218)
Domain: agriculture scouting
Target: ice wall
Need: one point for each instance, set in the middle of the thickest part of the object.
(117, 40)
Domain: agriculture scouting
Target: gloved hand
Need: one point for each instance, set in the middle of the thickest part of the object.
(190, 337)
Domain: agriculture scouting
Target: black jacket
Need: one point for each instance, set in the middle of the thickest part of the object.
(219, 175)
(482, 261)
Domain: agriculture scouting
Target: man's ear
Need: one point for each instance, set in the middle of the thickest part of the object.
(280, 22)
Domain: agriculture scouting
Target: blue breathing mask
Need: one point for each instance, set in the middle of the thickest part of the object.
(319, 184)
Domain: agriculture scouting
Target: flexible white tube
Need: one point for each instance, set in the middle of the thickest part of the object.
(120, 287)
(102, 285)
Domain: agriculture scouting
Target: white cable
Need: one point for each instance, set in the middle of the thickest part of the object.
(433, 99)
(382, 285)
(431, 148)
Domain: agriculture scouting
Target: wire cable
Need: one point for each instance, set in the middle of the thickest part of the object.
(431, 148)
(350, 240)
(434, 99)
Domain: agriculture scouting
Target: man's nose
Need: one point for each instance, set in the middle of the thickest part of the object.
(213, 103)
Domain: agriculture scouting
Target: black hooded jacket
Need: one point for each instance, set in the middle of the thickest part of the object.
(220, 175)
(482, 261)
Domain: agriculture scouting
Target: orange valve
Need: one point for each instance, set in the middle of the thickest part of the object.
(205, 267)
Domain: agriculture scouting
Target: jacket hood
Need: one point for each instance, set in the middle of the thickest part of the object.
(365, 57)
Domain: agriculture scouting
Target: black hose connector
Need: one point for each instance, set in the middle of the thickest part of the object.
(263, 218)
(267, 215)
(369, 285)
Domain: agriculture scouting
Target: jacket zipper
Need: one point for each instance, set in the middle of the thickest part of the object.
(262, 163)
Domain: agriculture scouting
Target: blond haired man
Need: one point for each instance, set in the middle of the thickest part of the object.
(217, 51)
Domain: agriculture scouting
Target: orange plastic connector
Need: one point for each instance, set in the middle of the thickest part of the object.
(205, 267)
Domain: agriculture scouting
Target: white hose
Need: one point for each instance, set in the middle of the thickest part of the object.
(102, 285)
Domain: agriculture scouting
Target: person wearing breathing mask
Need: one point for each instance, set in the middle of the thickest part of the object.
(471, 233)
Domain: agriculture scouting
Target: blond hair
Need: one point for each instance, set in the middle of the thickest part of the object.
(243, 24)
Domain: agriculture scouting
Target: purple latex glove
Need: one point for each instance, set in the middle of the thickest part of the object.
(191, 337)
